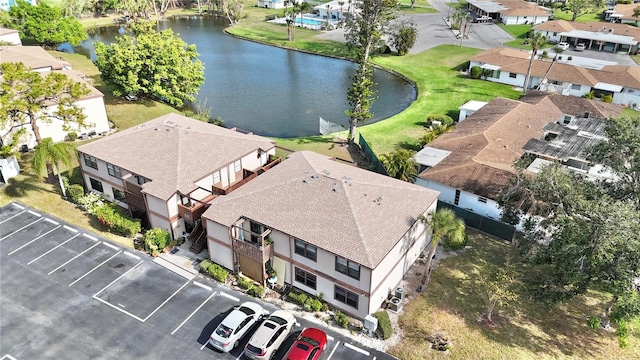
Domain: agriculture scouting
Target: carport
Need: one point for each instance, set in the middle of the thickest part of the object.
(603, 41)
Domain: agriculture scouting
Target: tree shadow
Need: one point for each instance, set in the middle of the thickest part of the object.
(410, 145)
(314, 139)
(21, 186)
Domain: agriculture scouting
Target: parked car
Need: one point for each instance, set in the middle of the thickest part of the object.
(308, 346)
(270, 335)
(563, 45)
(233, 327)
(580, 47)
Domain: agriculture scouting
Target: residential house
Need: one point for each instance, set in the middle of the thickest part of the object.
(510, 12)
(92, 104)
(567, 75)
(10, 36)
(600, 36)
(326, 227)
(165, 171)
(7, 4)
(9, 168)
(335, 10)
(470, 165)
(621, 13)
(276, 4)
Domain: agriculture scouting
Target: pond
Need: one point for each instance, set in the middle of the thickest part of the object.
(268, 90)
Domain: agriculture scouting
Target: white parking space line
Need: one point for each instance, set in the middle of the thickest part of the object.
(22, 228)
(97, 266)
(19, 207)
(34, 213)
(70, 228)
(111, 246)
(57, 246)
(374, 358)
(21, 212)
(240, 356)
(132, 255)
(39, 237)
(167, 300)
(51, 221)
(113, 306)
(205, 344)
(73, 258)
(90, 237)
(334, 350)
(355, 348)
(193, 313)
(329, 337)
(7, 357)
(202, 285)
(230, 297)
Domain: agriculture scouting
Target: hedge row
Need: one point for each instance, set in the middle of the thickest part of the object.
(384, 323)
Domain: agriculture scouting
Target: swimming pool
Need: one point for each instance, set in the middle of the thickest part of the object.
(309, 21)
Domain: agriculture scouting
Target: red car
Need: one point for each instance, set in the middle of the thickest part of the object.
(308, 346)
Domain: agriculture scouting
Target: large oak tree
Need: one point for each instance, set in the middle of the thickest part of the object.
(149, 63)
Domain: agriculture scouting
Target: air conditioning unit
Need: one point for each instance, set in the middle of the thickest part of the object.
(400, 293)
(395, 304)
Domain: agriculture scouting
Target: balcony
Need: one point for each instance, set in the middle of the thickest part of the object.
(250, 244)
(192, 212)
(271, 162)
(247, 175)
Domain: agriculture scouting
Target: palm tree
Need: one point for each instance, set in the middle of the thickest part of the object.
(400, 165)
(49, 154)
(444, 224)
(557, 50)
(537, 41)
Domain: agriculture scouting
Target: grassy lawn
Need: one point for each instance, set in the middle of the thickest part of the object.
(524, 330)
(30, 189)
(589, 17)
(441, 90)
(519, 32)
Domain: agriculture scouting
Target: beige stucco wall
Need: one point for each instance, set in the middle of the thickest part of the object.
(158, 206)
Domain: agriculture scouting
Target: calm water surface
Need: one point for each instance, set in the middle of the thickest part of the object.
(268, 90)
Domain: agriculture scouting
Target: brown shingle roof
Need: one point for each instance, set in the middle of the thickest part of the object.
(595, 26)
(174, 151)
(517, 61)
(484, 149)
(626, 10)
(33, 57)
(348, 211)
(575, 106)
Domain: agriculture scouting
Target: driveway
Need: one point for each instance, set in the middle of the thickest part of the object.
(68, 294)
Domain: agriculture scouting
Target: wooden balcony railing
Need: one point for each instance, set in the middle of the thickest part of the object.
(247, 175)
(135, 200)
(253, 251)
(195, 210)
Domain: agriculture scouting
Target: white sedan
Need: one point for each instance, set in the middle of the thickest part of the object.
(270, 335)
(563, 45)
(233, 327)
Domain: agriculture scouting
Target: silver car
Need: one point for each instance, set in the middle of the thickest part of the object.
(270, 335)
(233, 327)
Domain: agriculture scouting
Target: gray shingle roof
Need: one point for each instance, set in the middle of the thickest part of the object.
(351, 212)
(174, 151)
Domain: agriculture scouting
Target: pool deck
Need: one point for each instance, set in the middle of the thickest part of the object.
(309, 21)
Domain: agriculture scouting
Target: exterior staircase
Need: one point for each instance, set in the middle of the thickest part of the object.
(198, 238)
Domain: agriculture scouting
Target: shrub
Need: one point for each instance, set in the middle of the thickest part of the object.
(590, 95)
(75, 192)
(256, 291)
(218, 272)
(112, 217)
(90, 202)
(73, 136)
(298, 298)
(623, 334)
(475, 72)
(341, 319)
(594, 322)
(245, 283)
(204, 265)
(156, 240)
(315, 305)
(607, 99)
(445, 120)
(455, 245)
(384, 323)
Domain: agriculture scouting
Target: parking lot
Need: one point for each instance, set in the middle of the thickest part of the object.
(67, 293)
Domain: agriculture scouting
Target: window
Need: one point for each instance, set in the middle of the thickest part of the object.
(119, 195)
(114, 171)
(306, 250)
(513, 75)
(482, 200)
(348, 267)
(216, 177)
(346, 296)
(90, 161)
(237, 166)
(141, 179)
(555, 34)
(576, 86)
(96, 185)
(306, 278)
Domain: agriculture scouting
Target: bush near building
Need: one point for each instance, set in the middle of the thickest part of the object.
(384, 324)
